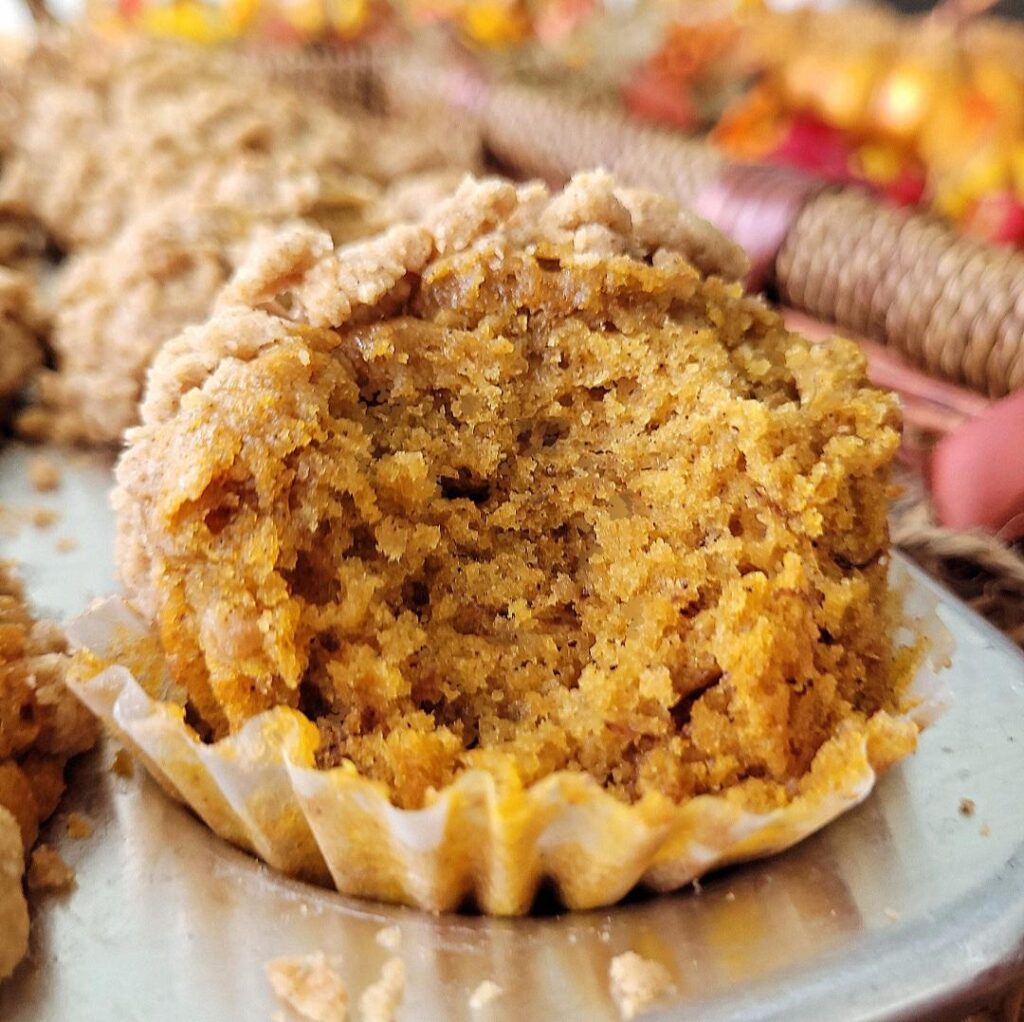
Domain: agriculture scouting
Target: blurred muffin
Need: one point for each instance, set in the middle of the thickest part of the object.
(152, 167)
(529, 487)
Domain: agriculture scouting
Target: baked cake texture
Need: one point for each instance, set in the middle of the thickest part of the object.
(529, 486)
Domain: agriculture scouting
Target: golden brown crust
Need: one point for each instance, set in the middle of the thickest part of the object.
(522, 488)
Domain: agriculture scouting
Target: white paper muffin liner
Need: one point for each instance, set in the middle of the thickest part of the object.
(260, 790)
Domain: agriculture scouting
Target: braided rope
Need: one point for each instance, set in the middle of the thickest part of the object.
(949, 303)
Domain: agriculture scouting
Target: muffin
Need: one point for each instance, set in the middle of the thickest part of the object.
(527, 491)
(42, 726)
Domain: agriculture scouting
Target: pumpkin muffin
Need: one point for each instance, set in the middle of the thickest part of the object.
(41, 727)
(530, 486)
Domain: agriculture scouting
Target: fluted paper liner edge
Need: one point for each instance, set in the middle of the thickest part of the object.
(260, 790)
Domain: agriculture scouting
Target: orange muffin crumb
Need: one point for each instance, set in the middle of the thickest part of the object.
(47, 871)
(529, 486)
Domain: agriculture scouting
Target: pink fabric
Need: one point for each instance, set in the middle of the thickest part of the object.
(756, 205)
(977, 472)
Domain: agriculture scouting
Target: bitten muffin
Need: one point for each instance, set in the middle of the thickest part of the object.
(530, 486)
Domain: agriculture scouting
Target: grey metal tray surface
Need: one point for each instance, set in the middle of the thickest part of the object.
(903, 908)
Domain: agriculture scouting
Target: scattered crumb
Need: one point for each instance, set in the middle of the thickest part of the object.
(43, 473)
(697, 889)
(637, 983)
(985, 831)
(891, 913)
(967, 806)
(573, 938)
(390, 937)
(309, 986)
(44, 517)
(730, 895)
(483, 995)
(123, 765)
(47, 871)
(66, 544)
(604, 936)
(380, 1000)
(79, 827)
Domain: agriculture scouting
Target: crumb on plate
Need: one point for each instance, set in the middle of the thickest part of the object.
(44, 517)
(66, 545)
(484, 994)
(79, 827)
(122, 764)
(967, 806)
(47, 871)
(637, 983)
(380, 1000)
(390, 938)
(310, 986)
(43, 473)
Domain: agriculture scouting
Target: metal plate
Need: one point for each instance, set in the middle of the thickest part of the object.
(904, 908)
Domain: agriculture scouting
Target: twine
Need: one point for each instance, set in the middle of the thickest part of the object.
(986, 573)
